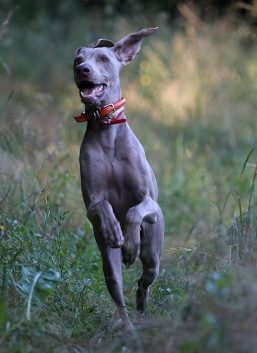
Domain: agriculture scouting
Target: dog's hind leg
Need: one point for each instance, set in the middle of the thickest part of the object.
(150, 251)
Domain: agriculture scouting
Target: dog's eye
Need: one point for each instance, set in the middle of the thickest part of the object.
(104, 59)
(78, 61)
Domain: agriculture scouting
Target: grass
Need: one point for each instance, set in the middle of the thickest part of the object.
(195, 115)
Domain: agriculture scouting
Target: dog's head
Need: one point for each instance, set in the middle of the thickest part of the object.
(97, 67)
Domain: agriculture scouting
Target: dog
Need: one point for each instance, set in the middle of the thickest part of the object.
(118, 185)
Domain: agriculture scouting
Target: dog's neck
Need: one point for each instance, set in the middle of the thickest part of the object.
(106, 136)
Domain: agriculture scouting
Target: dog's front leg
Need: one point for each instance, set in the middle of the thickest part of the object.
(101, 214)
(109, 239)
(146, 211)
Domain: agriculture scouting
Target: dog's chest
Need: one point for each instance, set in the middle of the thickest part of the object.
(125, 183)
(115, 170)
(121, 174)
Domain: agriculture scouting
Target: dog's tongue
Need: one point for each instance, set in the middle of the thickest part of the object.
(89, 91)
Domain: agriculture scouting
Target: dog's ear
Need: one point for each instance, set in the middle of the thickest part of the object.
(98, 44)
(127, 47)
(101, 43)
(78, 51)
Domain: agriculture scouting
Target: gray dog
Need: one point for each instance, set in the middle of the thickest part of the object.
(118, 184)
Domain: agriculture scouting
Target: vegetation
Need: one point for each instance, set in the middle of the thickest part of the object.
(191, 97)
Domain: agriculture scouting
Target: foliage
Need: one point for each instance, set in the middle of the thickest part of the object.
(191, 100)
(32, 8)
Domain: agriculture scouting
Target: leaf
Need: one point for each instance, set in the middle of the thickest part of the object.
(43, 287)
(27, 273)
(51, 275)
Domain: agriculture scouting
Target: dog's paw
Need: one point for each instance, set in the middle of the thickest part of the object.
(129, 255)
(112, 233)
(131, 246)
(124, 325)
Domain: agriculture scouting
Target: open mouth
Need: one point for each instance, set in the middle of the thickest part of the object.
(91, 90)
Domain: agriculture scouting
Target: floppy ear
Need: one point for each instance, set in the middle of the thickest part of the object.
(127, 47)
(101, 43)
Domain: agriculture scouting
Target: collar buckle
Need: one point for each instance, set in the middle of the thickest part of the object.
(112, 106)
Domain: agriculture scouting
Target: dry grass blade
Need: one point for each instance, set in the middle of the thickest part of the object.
(246, 160)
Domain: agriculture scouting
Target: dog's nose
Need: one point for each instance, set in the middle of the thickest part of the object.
(86, 69)
(83, 68)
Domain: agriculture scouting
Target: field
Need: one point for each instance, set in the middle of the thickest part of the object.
(191, 99)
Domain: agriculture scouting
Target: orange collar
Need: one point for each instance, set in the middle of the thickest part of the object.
(109, 115)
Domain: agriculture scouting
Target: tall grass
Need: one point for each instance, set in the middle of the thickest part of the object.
(191, 100)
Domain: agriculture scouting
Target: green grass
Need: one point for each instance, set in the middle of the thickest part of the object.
(191, 100)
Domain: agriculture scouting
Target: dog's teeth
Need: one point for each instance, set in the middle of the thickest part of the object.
(90, 92)
(99, 87)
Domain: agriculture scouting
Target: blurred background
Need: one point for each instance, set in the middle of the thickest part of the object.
(191, 97)
(191, 100)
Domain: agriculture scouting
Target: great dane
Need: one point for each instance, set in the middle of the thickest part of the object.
(118, 185)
